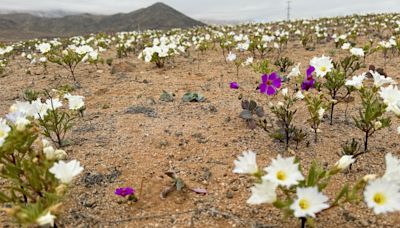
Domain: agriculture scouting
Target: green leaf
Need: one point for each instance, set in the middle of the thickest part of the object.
(342, 193)
(312, 174)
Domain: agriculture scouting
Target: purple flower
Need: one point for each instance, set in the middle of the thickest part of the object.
(234, 85)
(124, 191)
(270, 83)
(309, 81)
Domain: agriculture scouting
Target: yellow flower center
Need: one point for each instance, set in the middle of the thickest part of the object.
(379, 198)
(323, 68)
(281, 175)
(2, 134)
(304, 204)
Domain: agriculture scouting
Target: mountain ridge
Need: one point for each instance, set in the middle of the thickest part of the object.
(18, 26)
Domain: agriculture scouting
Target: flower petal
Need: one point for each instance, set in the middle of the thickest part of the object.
(271, 90)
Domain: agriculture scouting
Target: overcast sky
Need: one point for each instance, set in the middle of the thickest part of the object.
(265, 10)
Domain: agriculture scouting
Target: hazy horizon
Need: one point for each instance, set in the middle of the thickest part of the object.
(228, 10)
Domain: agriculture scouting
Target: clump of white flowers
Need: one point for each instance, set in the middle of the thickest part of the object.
(162, 49)
(29, 161)
(303, 196)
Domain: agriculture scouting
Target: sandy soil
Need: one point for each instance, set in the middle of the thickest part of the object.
(199, 141)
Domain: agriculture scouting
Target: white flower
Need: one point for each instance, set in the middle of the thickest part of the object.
(47, 219)
(356, 81)
(45, 143)
(43, 59)
(49, 152)
(65, 172)
(369, 177)
(380, 80)
(60, 154)
(231, 57)
(357, 52)
(285, 92)
(248, 61)
(283, 171)
(299, 95)
(391, 97)
(82, 50)
(54, 103)
(322, 65)
(246, 163)
(321, 112)
(52, 154)
(392, 172)
(344, 162)
(243, 46)
(295, 71)
(21, 123)
(4, 130)
(44, 47)
(309, 202)
(263, 193)
(346, 46)
(93, 55)
(382, 196)
(75, 102)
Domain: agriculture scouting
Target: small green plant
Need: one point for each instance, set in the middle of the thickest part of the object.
(370, 117)
(351, 148)
(316, 107)
(56, 122)
(262, 67)
(284, 113)
(68, 59)
(109, 61)
(335, 80)
(193, 97)
(31, 95)
(250, 109)
(283, 63)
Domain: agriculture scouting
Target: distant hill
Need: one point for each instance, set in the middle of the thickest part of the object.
(19, 26)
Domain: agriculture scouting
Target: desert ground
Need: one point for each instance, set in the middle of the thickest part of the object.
(129, 137)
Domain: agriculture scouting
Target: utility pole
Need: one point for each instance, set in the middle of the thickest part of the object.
(288, 10)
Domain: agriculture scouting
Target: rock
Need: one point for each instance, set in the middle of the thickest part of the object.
(123, 67)
(150, 112)
(86, 201)
(167, 97)
(229, 194)
(90, 179)
(212, 108)
(101, 91)
(163, 144)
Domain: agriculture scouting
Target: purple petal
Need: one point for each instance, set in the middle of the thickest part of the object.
(124, 191)
(310, 70)
(234, 85)
(277, 82)
(263, 87)
(273, 76)
(306, 85)
(199, 191)
(270, 90)
(264, 78)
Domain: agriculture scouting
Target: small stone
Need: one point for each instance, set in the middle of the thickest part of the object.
(229, 194)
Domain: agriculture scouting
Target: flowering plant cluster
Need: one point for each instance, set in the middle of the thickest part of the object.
(301, 195)
(161, 50)
(37, 175)
(70, 57)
